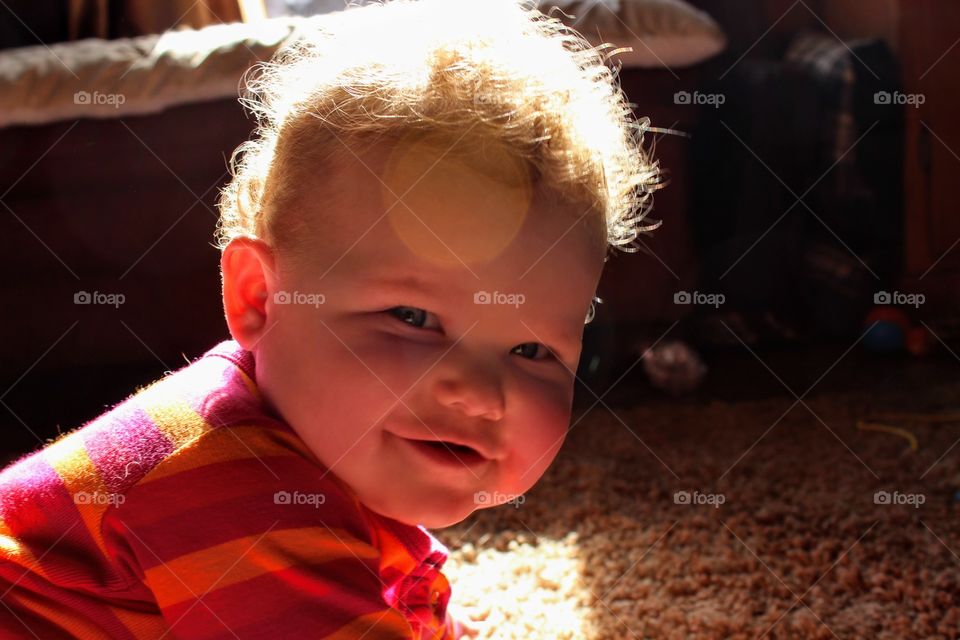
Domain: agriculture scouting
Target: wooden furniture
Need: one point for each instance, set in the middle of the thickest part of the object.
(929, 32)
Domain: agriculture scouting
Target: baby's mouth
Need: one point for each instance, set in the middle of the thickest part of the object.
(458, 449)
(449, 452)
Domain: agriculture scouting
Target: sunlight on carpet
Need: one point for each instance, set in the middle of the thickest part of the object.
(547, 575)
(800, 548)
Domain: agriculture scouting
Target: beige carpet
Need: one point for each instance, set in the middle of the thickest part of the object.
(798, 549)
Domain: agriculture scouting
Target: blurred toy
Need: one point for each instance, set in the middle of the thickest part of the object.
(673, 366)
(919, 341)
(889, 330)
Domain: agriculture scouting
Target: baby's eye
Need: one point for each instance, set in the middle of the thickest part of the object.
(415, 317)
(531, 351)
(420, 318)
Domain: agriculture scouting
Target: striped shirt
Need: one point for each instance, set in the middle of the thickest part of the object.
(190, 510)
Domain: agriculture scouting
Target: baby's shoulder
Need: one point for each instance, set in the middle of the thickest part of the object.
(171, 418)
(191, 463)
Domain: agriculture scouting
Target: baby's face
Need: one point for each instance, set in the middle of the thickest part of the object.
(402, 327)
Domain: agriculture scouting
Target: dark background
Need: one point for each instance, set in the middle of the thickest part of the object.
(127, 206)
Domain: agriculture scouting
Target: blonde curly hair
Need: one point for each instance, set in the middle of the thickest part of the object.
(499, 67)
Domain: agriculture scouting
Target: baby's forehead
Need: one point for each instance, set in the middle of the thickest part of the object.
(546, 253)
(448, 210)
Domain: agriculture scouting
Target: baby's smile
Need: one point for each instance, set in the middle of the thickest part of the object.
(447, 458)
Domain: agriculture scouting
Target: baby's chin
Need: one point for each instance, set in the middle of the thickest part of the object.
(431, 516)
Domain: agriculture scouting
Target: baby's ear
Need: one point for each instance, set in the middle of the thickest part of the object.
(247, 272)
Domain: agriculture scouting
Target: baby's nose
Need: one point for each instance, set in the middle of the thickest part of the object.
(474, 395)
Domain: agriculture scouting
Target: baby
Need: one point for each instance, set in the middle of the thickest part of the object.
(410, 248)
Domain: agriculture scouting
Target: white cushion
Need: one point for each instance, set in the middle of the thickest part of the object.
(661, 33)
(132, 76)
(116, 78)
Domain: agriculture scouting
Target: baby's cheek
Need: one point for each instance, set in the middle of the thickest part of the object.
(397, 363)
(545, 416)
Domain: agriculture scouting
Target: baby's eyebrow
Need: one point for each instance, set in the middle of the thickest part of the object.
(554, 336)
(402, 282)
